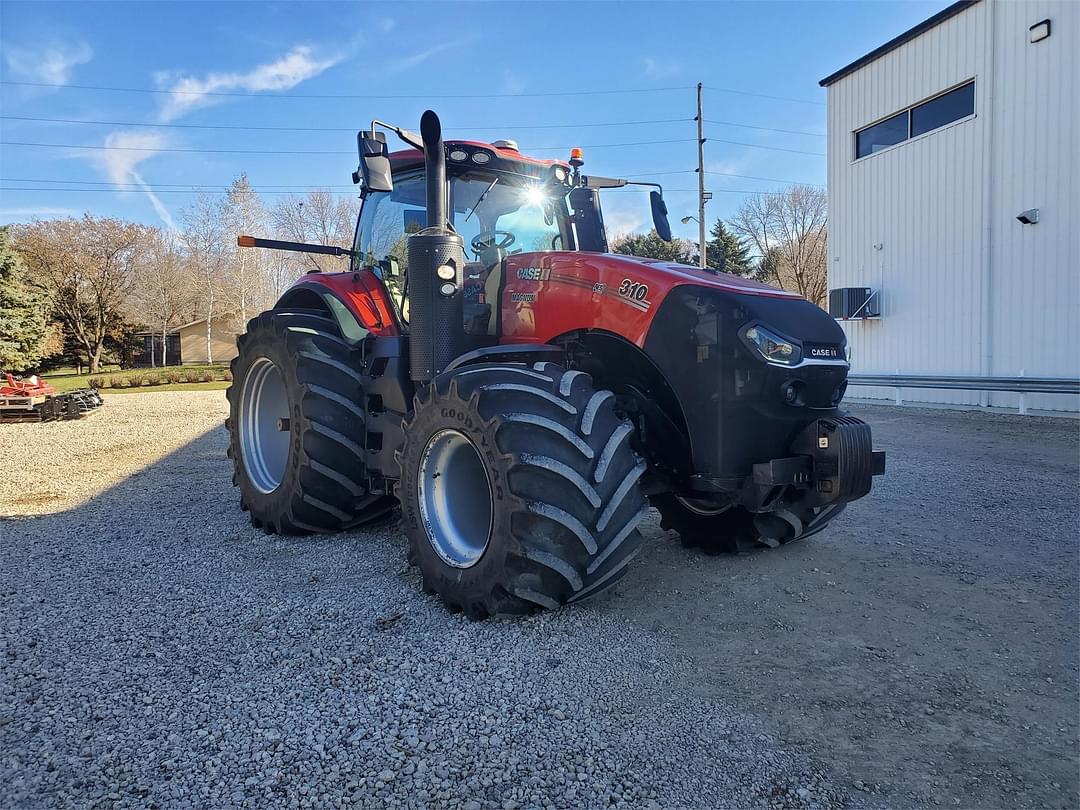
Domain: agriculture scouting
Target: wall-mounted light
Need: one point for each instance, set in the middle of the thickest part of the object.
(1039, 31)
(1029, 217)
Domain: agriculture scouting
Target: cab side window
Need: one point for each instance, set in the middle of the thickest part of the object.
(386, 220)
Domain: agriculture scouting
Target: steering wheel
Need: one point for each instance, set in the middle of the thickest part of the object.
(485, 240)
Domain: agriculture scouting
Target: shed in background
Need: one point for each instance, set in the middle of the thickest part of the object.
(193, 347)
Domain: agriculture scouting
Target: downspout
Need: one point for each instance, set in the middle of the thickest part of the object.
(987, 302)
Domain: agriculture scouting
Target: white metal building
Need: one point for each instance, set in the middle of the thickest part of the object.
(938, 141)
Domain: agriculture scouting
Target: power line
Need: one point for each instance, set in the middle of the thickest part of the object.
(419, 96)
(338, 129)
(282, 151)
(137, 190)
(339, 152)
(763, 129)
(174, 149)
(766, 179)
(763, 95)
(771, 148)
(314, 186)
(501, 127)
(268, 190)
(332, 185)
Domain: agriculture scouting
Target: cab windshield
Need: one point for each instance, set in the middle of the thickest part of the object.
(497, 214)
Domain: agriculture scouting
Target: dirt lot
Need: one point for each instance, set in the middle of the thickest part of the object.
(157, 650)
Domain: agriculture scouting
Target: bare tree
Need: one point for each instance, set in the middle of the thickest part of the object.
(280, 271)
(204, 237)
(789, 230)
(162, 290)
(320, 217)
(87, 267)
(244, 214)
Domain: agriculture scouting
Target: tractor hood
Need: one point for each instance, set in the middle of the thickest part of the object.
(686, 274)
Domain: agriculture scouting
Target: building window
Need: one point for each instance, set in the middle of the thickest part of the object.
(937, 112)
(918, 120)
(886, 133)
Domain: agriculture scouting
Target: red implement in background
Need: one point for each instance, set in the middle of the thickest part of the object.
(34, 400)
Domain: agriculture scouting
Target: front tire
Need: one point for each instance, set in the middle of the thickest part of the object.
(730, 529)
(519, 488)
(296, 427)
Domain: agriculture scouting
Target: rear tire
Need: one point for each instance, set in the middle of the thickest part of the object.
(518, 488)
(305, 474)
(732, 529)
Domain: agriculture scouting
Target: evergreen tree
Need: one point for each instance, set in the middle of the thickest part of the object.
(24, 326)
(727, 253)
(651, 246)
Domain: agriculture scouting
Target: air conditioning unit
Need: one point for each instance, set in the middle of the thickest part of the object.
(854, 302)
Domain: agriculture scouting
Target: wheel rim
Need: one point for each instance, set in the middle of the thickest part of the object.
(264, 437)
(701, 506)
(455, 498)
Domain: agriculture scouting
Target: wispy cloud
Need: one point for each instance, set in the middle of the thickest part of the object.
(32, 212)
(120, 161)
(189, 92)
(392, 67)
(51, 64)
(654, 69)
(624, 214)
(723, 169)
(512, 83)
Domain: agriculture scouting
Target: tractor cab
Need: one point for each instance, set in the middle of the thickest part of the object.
(501, 203)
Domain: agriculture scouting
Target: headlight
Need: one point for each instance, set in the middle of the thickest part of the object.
(772, 347)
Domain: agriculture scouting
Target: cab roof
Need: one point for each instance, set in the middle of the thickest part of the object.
(408, 158)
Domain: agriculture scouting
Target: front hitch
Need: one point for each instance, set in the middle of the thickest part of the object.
(799, 495)
(833, 462)
(843, 459)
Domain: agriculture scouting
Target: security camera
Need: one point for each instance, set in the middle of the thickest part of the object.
(1029, 217)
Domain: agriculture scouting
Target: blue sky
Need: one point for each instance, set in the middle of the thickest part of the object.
(425, 55)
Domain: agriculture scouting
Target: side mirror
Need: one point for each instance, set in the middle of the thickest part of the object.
(659, 216)
(389, 267)
(374, 162)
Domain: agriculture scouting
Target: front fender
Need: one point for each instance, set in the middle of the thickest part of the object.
(359, 294)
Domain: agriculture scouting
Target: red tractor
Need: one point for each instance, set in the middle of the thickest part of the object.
(523, 395)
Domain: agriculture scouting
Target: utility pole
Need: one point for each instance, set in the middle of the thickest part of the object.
(700, 180)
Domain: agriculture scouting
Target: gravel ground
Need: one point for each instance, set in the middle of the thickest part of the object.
(158, 651)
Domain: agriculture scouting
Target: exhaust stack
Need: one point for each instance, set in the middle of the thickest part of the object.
(436, 270)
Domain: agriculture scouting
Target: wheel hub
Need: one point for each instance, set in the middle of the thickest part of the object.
(264, 425)
(455, 498)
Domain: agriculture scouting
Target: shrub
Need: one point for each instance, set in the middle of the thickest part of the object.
(173, 376)
(153, 379)
(117, 382)
(207, 376)
(96, 382)
(226, 374)
(134, 381)
(191, 376)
